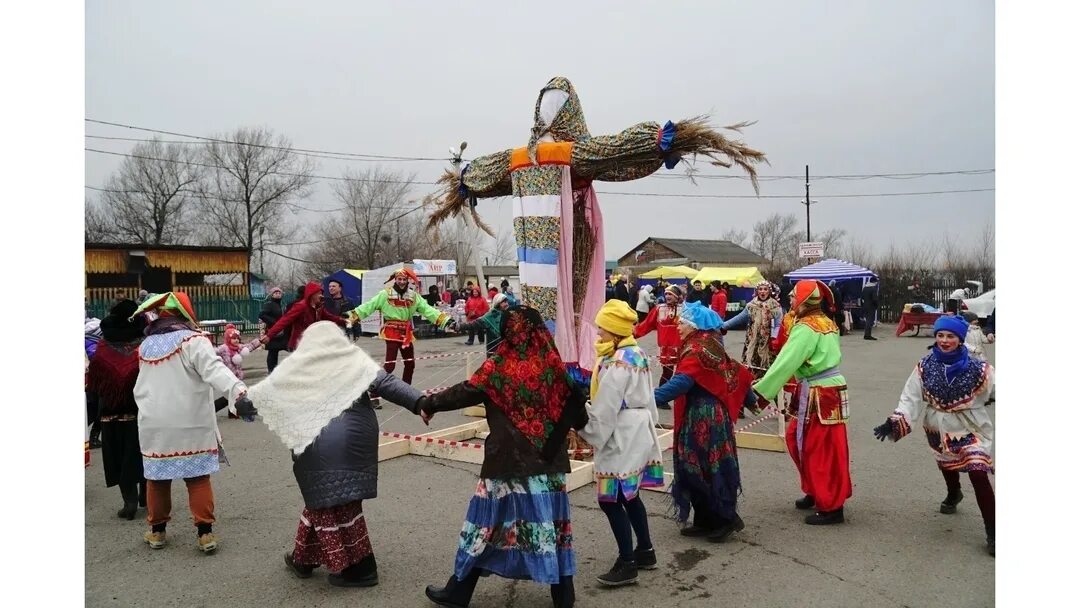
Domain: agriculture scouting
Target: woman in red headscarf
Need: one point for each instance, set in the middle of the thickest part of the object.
(518, 522)
(302, 315)
(817, 437)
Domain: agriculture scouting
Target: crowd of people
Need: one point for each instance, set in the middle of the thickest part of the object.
(155, 378)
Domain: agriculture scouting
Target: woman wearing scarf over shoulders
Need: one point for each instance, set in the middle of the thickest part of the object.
(947, 395)
(710, 388)
(531, 406)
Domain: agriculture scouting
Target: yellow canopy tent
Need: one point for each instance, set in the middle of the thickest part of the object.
(670, 272)
(747, 276)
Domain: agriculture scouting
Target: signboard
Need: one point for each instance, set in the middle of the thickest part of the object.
(812, 250)
(434, 267)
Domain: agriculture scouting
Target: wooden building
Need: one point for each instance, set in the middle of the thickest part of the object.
(119, 268)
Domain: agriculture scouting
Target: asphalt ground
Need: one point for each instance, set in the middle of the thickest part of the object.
(895, 549)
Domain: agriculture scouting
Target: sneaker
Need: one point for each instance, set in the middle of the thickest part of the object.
(622, 573)
(156, 540)
(208, 542)
(298, 570)
(645, 559)
(826, 518)
(948, 506)
(804, 503)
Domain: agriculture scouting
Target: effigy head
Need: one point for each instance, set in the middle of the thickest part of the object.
(558, 115)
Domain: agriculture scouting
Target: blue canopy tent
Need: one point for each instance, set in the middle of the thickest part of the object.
(850, 279)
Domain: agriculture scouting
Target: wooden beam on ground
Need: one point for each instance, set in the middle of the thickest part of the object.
(476, 411)
(469, 430)
(581, 474)
(760, 441)
(390, 447)
(472, 453)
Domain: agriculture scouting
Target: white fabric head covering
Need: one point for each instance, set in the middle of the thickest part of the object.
(314, 385)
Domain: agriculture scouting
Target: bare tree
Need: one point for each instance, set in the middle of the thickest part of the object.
(833, 239)
(253, 177)
(148, 199)
(377, 226)
(858, 252)
(776, 238)
(739, 237)
(97, 227)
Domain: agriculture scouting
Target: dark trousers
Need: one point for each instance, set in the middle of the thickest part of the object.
(868, 319)
(272, 359)
(984, 492)
(641, 316)
(624, 516)
(407, 354)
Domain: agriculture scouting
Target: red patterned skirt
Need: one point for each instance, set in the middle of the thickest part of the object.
(336, 537)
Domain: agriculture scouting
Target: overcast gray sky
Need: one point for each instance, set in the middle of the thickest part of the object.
(846, 87)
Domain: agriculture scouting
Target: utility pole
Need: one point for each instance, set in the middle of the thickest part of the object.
(808, 203)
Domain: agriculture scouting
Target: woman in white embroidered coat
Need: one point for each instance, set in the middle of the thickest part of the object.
(622, 426)
(179, 375)
(947, 395)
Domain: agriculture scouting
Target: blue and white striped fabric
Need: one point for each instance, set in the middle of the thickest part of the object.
(830, 270)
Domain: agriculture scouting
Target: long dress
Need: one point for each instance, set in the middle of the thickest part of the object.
(764, 324)
(706, 462)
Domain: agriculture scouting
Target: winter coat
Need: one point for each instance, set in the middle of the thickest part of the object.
(270, 313)
(300, 316)
(342, 464)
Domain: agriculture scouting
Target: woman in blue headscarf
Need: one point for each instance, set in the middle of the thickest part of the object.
(948, 394)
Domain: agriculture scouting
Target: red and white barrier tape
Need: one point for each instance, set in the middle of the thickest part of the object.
(442, 356)
(434, 440)
(766, 415)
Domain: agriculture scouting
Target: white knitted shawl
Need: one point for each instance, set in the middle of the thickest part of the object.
(313, 385)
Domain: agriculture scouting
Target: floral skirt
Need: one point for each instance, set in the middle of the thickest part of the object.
(336, 537)
(518, 529)
(706, 461)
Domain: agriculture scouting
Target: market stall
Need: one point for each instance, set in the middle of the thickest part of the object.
(849, 280)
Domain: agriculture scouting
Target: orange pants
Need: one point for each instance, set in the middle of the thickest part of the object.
(159, 500)
(824, 470)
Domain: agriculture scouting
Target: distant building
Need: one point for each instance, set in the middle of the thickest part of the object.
(696, 253)
(126, 268)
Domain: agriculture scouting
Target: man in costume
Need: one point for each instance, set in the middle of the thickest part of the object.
(817, 437)
(558, 226)
(179, 376)
(398, 303)
(664, 318)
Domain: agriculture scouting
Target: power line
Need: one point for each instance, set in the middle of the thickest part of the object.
(327, 155)
(266, 146)
(654, 194)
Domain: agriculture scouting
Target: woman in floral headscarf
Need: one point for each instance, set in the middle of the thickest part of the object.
(710, 388)
(531, 406)
(763, 314)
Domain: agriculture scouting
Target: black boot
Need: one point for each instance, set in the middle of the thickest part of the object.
(804, 503)
(948, 506)
(826, 518)
(95, 436)
(297, 569)
(130, 492)
(142, 493)
(456, 594)
(722, 533)
(645, 558)
(562, 595)
(622, 573)
(363, 573)
(990, 538)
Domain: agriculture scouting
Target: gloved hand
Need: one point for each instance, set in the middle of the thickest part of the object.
(883, 431)
(246, 409)
(452, 327)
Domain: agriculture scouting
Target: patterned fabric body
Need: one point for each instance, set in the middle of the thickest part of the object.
(180, 466)
(524, 377)
(336, 537)
(518, 529)
(706, 461)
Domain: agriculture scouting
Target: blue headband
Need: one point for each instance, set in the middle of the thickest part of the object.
(954, 325)
(701, 317)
